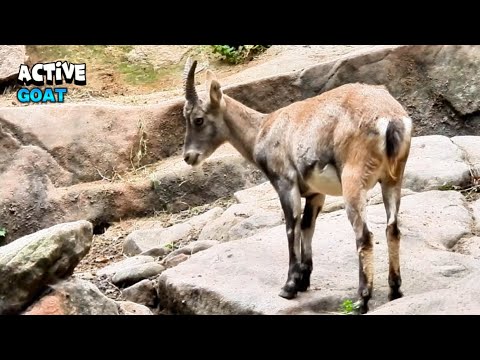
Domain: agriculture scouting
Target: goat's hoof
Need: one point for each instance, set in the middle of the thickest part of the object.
(394, 294)
(288, 292)
(363, 309)
(303, 285)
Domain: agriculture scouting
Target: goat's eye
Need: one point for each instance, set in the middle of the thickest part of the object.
(198, 121)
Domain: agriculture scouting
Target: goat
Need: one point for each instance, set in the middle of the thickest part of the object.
(341, 142)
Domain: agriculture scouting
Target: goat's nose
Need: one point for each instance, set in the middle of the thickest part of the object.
(190, 157)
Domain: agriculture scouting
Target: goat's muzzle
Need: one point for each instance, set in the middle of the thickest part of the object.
(191, 157)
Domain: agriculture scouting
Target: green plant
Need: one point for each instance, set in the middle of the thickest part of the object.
(235, 54)
(3, 232)
(348, 307)
(171, 246)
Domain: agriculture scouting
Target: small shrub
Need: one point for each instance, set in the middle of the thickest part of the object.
(235, 54)
(348, 307)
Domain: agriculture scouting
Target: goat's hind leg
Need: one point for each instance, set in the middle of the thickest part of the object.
(391, 192)
(313, 206)
(355, 202)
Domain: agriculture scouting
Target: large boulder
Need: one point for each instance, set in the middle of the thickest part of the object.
(11, 57)
(74, 297)
(30, 264)
(144, 292)
(245, 276)
(435, 162)
(470, 145)
(91, 141)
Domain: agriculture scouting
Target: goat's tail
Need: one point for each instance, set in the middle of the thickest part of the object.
(396, 136)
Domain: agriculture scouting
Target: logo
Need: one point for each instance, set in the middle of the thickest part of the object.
(49, 73)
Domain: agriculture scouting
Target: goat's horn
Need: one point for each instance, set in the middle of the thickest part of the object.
(189, 81)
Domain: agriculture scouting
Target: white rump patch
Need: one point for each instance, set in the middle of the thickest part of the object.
(325, 181)
(382, 125)
(407, 122)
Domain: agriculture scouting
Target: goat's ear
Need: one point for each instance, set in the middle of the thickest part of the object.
(208, 79)
(215, 93)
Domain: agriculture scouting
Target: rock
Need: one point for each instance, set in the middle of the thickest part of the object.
(460, 299)
(142, 241)
(28, 173)
(11, 57)
(218, 228)
(245, 276)
(131, 308)
(155, 252)
(192, 248)
(257, 194)
(32, 203)
(106, 139)
(471, 147)
(242, 220)
(435, 162)
(133, 274)
(30, 264)
(255, 224)
(143, 292)
(73, 297)
(437, 84)
(469, 246)
(476, 213)
(416, 217)
(175, 260)
(112, 269)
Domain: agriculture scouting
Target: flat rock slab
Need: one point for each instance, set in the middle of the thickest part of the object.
(462, 298)
(471, 146)
(245, 276)
(435, 162)
(133, 274)
(112, 269)
(148, 240)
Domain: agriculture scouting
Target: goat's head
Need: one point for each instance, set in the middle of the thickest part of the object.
(206, 130)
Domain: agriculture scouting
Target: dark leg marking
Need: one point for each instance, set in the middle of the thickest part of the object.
(290, 199)
(365, 260)
(313, 206)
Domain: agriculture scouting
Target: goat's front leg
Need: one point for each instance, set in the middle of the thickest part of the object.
(313, 206)
(289, 194)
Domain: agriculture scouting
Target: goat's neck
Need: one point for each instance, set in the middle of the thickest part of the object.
(244, 124)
